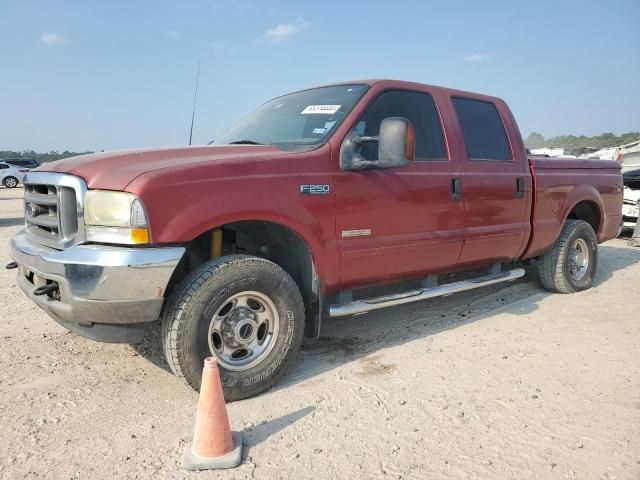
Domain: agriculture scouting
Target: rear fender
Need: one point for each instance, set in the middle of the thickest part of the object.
(580, 194)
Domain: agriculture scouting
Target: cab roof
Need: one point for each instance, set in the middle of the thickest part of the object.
(402, 84)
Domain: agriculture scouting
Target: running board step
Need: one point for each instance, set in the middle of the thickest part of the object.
(367, 305)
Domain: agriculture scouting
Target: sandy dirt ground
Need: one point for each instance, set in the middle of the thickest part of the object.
(500, 383)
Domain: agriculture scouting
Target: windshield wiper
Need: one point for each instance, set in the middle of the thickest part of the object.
(245, 142)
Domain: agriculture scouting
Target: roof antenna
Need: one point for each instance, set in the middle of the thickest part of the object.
(195, 97)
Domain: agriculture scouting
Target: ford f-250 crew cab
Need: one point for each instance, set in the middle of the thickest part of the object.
(244, 246)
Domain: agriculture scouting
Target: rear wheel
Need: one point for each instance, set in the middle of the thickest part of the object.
(571, 264)
(245, 311)
(10, 182)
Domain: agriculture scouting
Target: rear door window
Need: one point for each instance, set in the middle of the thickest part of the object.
(483, 130)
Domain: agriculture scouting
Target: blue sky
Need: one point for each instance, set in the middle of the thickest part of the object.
(93, 75)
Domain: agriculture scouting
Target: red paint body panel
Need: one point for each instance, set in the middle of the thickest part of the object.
(496, 220)
(562, 183)
(198, 197)
(115, 170)
(416, 228)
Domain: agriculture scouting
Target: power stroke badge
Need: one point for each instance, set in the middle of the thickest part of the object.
(318, 189)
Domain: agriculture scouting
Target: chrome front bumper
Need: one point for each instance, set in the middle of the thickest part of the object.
(105, 293)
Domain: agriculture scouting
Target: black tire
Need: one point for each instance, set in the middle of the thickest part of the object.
(10, 182)
(187, 319)
(556, 270)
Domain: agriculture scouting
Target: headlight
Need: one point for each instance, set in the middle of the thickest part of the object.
(115, 217)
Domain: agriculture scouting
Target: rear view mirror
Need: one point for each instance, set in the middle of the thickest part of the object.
(396, 146)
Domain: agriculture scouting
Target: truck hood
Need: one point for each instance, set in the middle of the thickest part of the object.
(115, 170)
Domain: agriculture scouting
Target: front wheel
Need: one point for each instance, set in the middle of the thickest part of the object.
(10, 182)
(245, 311)
(571, 263)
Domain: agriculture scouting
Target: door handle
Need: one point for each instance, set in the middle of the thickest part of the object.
(456, 189)
(520, 187)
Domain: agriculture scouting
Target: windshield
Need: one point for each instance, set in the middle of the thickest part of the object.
(296, 120)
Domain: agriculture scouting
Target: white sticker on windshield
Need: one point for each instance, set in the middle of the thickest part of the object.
(319, 130)
(328, 125)
(321, 109)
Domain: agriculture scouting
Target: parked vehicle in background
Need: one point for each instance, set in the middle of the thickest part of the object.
(21, 162)
(602, 154)
(245, 245)
(629, 156)
(630, 207)
(631, 179)
(548, 151)
(10, 175)
(581, 152)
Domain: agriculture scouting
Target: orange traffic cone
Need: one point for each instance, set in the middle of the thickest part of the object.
(214, 445)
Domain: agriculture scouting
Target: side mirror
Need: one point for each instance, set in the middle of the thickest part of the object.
(396, 143)
(396, 146)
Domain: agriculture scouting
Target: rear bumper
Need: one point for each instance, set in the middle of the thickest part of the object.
(105, 293)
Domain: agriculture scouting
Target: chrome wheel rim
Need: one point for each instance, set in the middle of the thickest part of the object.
(10, 182)
(243, 330)
(579, 259)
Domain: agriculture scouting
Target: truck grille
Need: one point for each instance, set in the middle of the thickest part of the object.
(53, 208)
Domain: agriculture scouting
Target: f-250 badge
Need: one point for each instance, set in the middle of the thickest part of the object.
(319, 189)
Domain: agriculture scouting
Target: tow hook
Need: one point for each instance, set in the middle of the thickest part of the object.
(46, 289)
(11, 266)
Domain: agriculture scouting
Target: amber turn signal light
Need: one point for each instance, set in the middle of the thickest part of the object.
(410, 145)
(139, 235)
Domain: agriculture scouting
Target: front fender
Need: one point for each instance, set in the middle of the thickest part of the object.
(183, 206)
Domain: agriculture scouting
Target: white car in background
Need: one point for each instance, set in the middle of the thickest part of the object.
(630, 207)
(10, 175)
(631, 200)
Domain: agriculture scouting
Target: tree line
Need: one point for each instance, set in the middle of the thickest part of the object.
(40, 157)
(574, 144)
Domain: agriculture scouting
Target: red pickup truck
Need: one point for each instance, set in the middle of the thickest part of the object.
(244, 246)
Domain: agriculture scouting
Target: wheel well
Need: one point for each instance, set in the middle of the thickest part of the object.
(587, 211)
(269, 240)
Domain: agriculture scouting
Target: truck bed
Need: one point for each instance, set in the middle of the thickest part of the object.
(560, 184)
